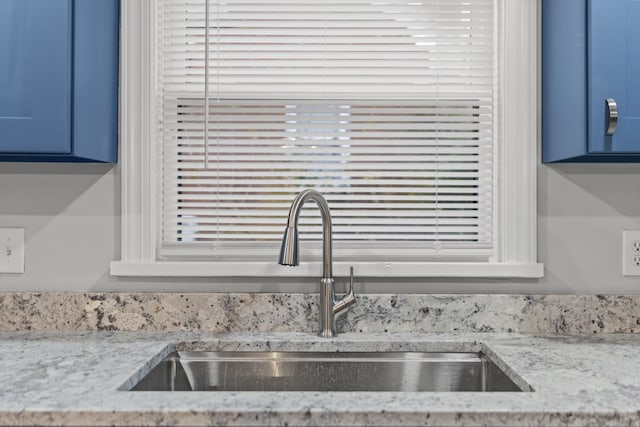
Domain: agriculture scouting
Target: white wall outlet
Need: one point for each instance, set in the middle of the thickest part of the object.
(631, 253)
(11, 250)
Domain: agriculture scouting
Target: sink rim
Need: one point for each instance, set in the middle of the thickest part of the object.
(333, 356)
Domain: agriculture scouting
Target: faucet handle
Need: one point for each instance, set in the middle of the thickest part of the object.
(348, 299)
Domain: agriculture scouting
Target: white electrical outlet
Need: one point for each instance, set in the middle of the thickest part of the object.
(11, 250)
(631, 253)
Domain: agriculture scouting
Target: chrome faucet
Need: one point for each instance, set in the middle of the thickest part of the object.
(329, 306)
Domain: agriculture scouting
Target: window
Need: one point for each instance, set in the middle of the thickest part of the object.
(395, 110)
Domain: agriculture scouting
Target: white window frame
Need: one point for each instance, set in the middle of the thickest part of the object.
(515, 216)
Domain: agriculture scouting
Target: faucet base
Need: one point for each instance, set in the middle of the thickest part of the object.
(326, 318)
(327, 334)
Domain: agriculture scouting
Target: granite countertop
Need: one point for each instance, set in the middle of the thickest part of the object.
(75, 378)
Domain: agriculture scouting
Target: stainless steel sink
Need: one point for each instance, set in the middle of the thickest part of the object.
(306, 371)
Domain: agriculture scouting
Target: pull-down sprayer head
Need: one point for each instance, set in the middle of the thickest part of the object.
(289, 248)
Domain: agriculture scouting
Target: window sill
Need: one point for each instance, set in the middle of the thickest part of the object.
(314, 269)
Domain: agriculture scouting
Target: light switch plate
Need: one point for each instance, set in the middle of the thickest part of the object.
(11, 250)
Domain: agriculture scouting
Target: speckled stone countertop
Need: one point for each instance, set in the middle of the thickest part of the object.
(76, 378)
(278, 312)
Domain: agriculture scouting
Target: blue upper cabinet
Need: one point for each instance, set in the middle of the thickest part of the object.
(35, 59)
(59, 80)
(590, 74)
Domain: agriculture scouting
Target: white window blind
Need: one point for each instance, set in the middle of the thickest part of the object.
(384, 106)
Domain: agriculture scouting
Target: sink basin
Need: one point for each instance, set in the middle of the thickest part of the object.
(318, 371)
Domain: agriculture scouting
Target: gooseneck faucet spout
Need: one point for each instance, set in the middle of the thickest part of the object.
(289, 250)
(329, 306)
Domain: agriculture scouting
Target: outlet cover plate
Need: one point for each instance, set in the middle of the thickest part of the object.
(11, 250)
(631, 253)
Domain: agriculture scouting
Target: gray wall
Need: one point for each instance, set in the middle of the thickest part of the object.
(72, 221)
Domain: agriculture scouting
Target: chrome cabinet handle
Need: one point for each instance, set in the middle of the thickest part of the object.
(612, 116)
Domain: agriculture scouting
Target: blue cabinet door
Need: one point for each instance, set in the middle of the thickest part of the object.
(614, 72)
(590, 53)
(35, 76)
